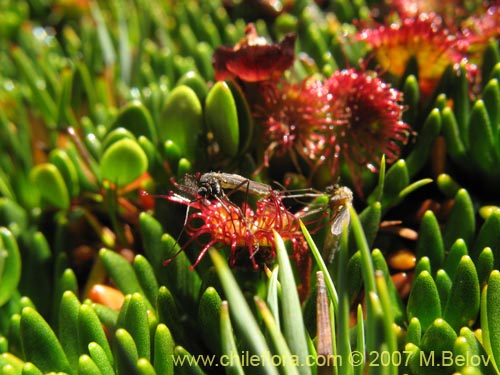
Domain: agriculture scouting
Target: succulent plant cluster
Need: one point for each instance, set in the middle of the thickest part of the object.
(106, 106)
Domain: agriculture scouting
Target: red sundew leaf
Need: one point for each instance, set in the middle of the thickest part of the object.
(253, 59)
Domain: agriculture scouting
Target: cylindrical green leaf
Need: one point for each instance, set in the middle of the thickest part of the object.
(414, 332)
(136, 323)
(98, 354)
(461, 221)
(123, 162)
(146, 277)
(144, 367)
(221, 118)
(454, 143)
(491, 334)
(443, 285)
(68, 327)
(457, 251)
(485, 264)
(10, 265)
(50, 183)
(126, 355)
(491, 99)
(90, 330)
(39, 343)
(488, 236)
(463, 303)
(411, 95)
(188, 364)
(423, 302)
(439, 337)
(182, 121)
(481, 138)
(86, 366)
(397, 179)
(208, 317)
(30, 369)
(423, 264)
(421, 150)
(121, 272)
(430, 242)
(168, 312)
(163, 350)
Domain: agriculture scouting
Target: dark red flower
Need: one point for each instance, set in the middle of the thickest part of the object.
(239, 228)
(296, 119)
(424, 38)
(480, 28)
(372, 124)
(253, 59)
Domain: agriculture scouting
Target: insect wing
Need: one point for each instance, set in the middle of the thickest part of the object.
(341, 220)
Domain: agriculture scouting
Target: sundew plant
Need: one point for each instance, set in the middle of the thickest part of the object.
(287, 187)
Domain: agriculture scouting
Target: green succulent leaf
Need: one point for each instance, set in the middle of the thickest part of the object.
(490, 316)
(462, 221)
(68, 327)
(455, 146)
(447, 185)
(163, 350)
(66, 167)
(443, 284)
(439, 337)
(87, 366)
(221, 117)
(430, 242)
(481, 138)
(488, 236)
(126, 354)
(457, 251)
(90, 330)
(114, 136)
(182, 121)
(463, 303)
(135, 117)
(101, 358)
(39, 343)
(136, 324)
(208, 316)
(50, 183)
(424, 303)
(196, 82)
(425, 140)
(414, 332)
(485, 264)
(144, 367)
(123, 162)
(31, 369)
(10, 265)
(146, 277)
(188, 364)
(121, 272)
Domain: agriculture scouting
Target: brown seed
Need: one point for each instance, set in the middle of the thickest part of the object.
(402, 260)
(107, 296)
